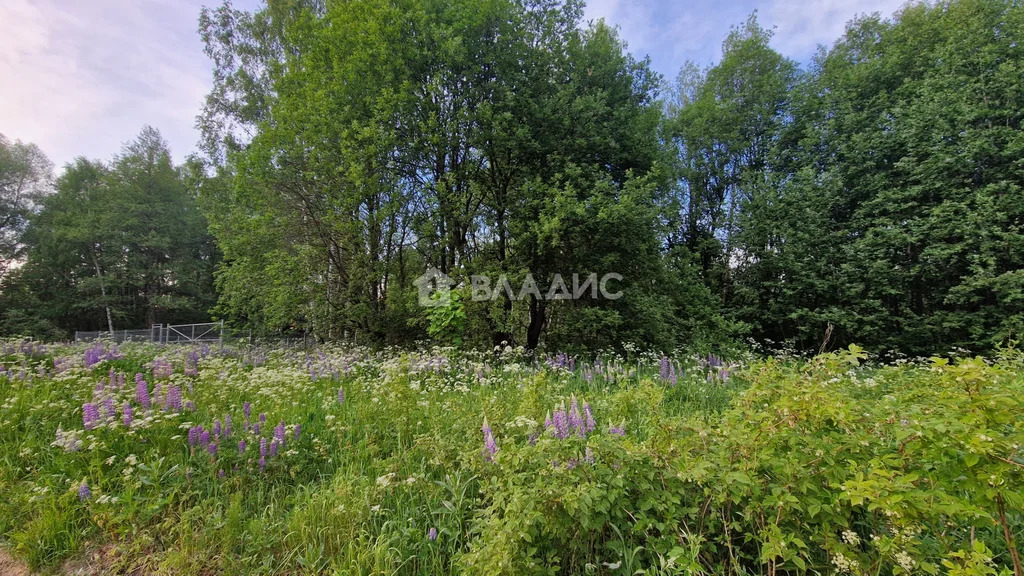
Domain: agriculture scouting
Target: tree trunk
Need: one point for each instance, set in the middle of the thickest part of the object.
(103, 293)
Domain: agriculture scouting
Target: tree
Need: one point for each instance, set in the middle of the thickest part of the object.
(118, 245)
(25, 174)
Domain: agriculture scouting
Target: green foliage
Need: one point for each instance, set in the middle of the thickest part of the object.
(829, 465)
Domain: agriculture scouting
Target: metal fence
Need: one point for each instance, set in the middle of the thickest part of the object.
(172, 334)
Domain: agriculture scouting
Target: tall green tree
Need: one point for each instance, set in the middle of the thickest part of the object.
(25, 179)
(119, 245)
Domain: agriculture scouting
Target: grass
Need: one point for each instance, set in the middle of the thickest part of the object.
(718, 467)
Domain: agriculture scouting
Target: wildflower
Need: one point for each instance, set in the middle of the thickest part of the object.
(141, 392)
(212, 449)
(274, 445)
(279, 432)
(341, 395)
(295, 432)
(617, 430)
(227, 425)
(108, 408)
(263, 448)
(193, 435)
(241, 446)
(664, 367)
(263, 463)
(588, 456)
(127, 414)
(432, 534)
(247, 409)
(490, 447)
(220, 473)
(83, 491)
(216, 428)
(90, 415)
(204, 437)
(588, 415)
(173, 401)
(575, 419)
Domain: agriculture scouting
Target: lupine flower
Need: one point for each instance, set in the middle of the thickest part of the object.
(588, 416)
(263, 448)
(173, 401)
(575, 419)
(279, 432)
(341, 395)
(263, 463)
(241, 446)
(190, 406)
(588, 456)
(432, 534)
(227, 425)
(193, 435)
(141, 392)
(90, 415)
(216, 428)
(83, 491)
(204, 437)
(220, 473)
(295, 432)
(109, 412)
(274, 444)
(212, 449)
(559, 423)
(672, 374)
(127, 414)
(617, 430)
(247, 409)
(263, 417)
(664, 367)
(490, 447)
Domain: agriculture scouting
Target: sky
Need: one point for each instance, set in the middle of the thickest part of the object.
(81, 77)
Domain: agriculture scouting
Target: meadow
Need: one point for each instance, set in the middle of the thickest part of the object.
(148, 459)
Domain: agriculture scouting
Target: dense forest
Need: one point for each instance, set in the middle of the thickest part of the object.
(872, 195)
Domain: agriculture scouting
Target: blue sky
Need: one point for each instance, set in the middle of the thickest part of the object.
(80, 77)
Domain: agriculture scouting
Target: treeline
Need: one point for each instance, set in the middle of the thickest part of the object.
(873, 196)
(107, 246)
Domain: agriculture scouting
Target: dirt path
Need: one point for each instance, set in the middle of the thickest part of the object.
(11, 567)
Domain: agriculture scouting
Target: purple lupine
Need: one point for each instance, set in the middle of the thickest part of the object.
(141, 392)
(83, 491)
(672, 375)
(575, 419)
(227, 425)
(190, 406)
(341, 395)
(220, 473)
(109, 412)
(247, 409)
(617, 430)
(204, 437)
(274, 445)
(588, 456)
(588, 416)
(664, 367)
(173, 401)
(560, 423)
(241, 446)
(263, 463)
(490, 447)
(263, 448)
(217, 428)
(279, 432)
(127, 413)
(432, 534)
(193, 435)
(90, 415)
(212, 448)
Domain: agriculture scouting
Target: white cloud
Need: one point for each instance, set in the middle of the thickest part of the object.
(81, 78)
(802, 26)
